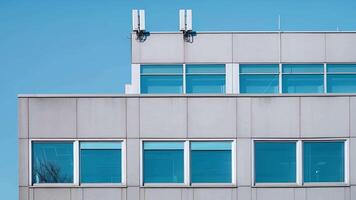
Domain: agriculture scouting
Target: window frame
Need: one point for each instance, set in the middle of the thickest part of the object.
(162, 74)
(323, 73)
(299, 163)
(187, 178)
(327, 73)
(238, 79)
(76, 164)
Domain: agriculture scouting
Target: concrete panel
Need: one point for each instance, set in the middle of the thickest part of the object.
(244, 162)
(244, 117)
(208, 48)
(340, 47)
(158, 48)
(353, 116)
(102, 193)
(133, 117)
(275, 193)
(163, 117)
(76, 194)
(23, 193)
(133, 162)
(31, 193)
(275, 117)
(353, 192)
(303, 47)
(213, 194)
(133, 193)
(23, 162)
(23, 117)
(353, 161)
(211, 117)
(52, 194)
(188, 194)
(300, 194)
(256, 47)
(244, 193)
(325, 193)
(163, 194)
(101, 117)
(52, 117)
(324, 116)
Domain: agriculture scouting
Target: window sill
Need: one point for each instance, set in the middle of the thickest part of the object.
(94, 185)
(294, 185)
(196, 185)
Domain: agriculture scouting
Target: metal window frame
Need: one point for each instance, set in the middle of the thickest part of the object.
(187, 181)
(299, 163)
(76, 164)
(238, 74)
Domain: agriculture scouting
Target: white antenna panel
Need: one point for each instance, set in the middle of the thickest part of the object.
(142, 25)
(188, 20)
(135, 20)
(182, 20)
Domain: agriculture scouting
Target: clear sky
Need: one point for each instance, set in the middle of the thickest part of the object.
(83, 46)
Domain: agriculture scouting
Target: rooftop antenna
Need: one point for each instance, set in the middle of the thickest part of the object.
(186, 24)
(138, 24)
(279, 22)
(337, 29)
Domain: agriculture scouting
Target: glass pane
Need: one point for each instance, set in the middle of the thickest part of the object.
(161, 84)
(259, 68)
(275, 162)
(210, 165)
(259, 83)
(205, 84)
(341, 68)
(161, 69)
(163, 163)
(100, 162)
(205, 69)
(341, 83)
(303, 68)
(52, 162)
(323, 161)
(303, 83)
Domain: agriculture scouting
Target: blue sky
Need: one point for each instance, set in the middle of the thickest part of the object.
(83, 46)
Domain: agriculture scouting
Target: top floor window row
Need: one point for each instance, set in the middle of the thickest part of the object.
(250, 79)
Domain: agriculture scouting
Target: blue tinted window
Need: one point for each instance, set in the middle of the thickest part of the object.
(199, 69)
(161, 69)
(211, 162)
(100, 162)
(154, 84)
(323, 161)
(205, 83)
(341, 78)
(163, 162)
(303, 83)
(259, 78)
(275, 162)
(303, 68)
(258, 83)
(341, 68)
(205, 79)
(259, 68)
(52, 162)
(161, 79)
(341, 83)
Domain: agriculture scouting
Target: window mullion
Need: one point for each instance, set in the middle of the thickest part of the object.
(187, 163)
(76, 162)
(299, 162)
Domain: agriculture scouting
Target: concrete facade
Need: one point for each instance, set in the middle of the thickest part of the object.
(183, 123)
(243, 118)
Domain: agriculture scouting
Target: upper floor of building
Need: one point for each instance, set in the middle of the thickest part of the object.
(244, 62)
